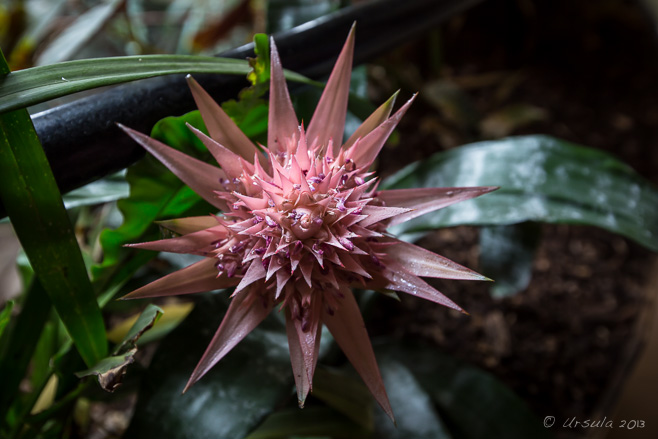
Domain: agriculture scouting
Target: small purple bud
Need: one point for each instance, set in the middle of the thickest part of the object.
(346, 243)
(316, 248)
(231, 267)
(270, 222)
(270, 203)
(377, 262)
(340, 205)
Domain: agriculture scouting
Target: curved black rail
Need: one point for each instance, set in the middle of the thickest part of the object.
(83, 144)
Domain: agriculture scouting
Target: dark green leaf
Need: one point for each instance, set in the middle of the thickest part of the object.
(34, 204)
(413, 408)
(39, 84)
(309, 422)
(473, 403)
(18, 349)
(5, 315)
(506, 255)
(541, 179)
(232, 399)
(345, 394)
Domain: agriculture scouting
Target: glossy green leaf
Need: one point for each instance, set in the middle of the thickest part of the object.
(111, 188)
(414, 410)
(315, 422)
(473, 403)
(507, 254)
(541, 179)
(229, 401)
(34, 204)
(39, 84)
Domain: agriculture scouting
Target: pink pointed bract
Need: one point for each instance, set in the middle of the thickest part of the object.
(300, 225)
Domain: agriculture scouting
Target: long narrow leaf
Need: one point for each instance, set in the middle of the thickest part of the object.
(39, 84)
(30, 195)
(23, 340)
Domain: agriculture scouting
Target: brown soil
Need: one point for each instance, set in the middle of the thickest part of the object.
(591, 68)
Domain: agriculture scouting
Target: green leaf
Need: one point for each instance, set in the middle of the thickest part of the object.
(345, 394)
(310, 422)
(541, 179)
(110, 370)
(472, 402)
(229, 401)
(155, 193)
(107, 189)
(39, 84)
(260, 73)
(5, 315)
(34, 204)
(414, 410)
(19, 347)
(507, 254)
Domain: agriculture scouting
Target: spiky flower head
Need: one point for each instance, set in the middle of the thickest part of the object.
(300, 226)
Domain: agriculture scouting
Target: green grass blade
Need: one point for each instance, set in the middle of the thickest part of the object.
(23, 340)
(31, 86)
(34, 204)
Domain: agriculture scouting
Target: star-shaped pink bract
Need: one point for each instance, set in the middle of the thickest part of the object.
(300, 226)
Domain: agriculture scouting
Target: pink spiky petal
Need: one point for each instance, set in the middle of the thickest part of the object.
(198, 175)
(196, 278)
(364, 151)
(282, 121)
(328, 120)
(192, 224)
(244, 313)
(395, 277)
(220, 126)
(373, 121)
(304, 348)
(420, 262)
(426, 200)
(227, 159)
(198, 243)
(349, 331)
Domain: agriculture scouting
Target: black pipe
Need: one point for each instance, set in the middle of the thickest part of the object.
(83, 144)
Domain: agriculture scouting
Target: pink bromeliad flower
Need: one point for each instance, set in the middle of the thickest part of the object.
(300, 226)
